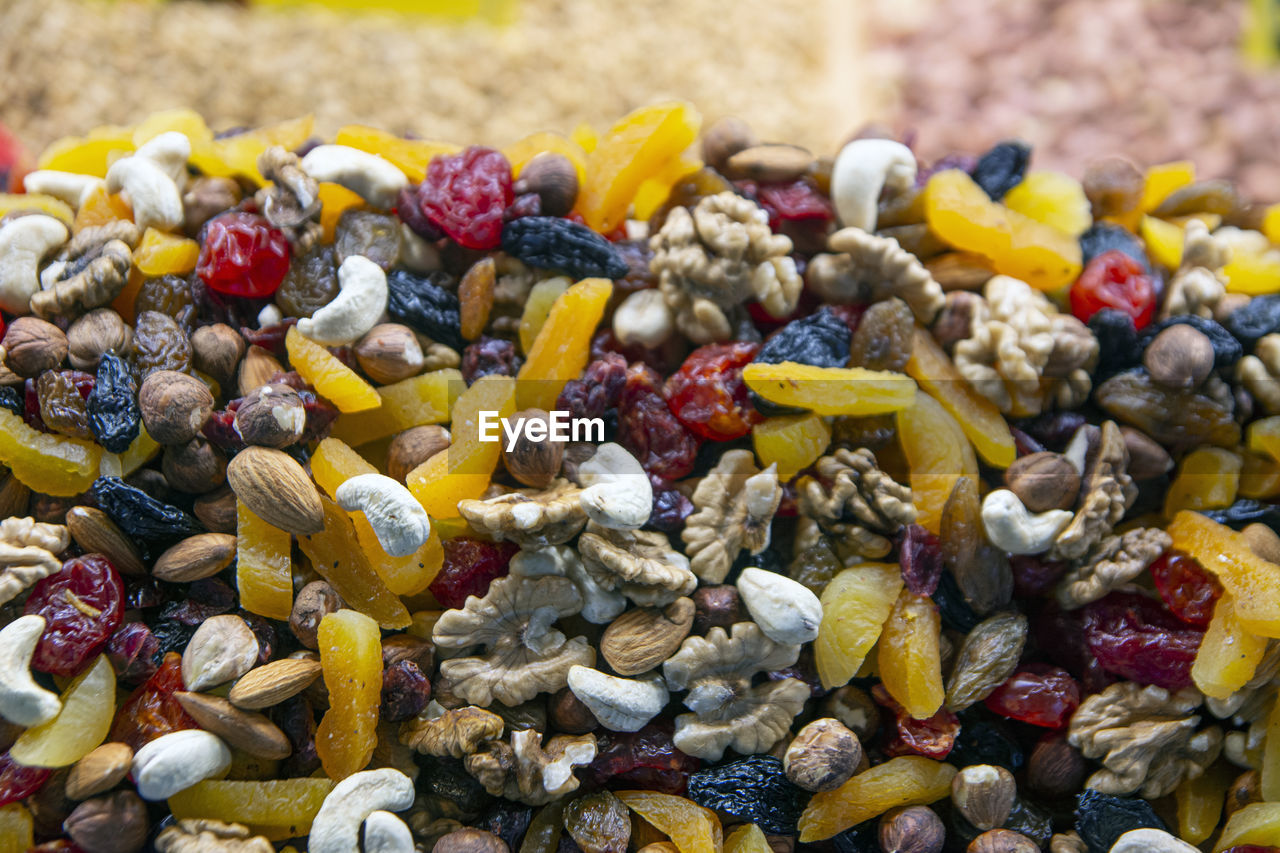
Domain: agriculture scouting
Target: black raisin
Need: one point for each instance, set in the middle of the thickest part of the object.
(171, 636)
(863, 838)
(551, 243)
(11, 399)
(1103, 237)
(1002, 168)
(449, 780)
(507, 820)
(755, 789)
(1053, 430)
(1032, 821)
(141, 516)
(1245, 512)
(985, 742)
(1255, 319)
(1119, 346)
(822, 339)
(1101, 819)
(419, 301)
(114, 417)
(955, 611)
(1226, 349)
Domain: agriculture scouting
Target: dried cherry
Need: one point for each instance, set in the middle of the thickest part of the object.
(904, 735)
(17, 781)
(1134, 637)
(650, 431)
(1036, 693)
(920, 557)
(242, 254)
(151, 710)
(1186, 588)
(82, 606)
(1114, 280)
(708, 395)
(470, 565)
(466, 194)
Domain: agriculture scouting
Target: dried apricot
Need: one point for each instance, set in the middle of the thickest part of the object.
(277, 808)
(691, 828)
(332, 379)
(351, 654)
(416, 401)
(264, 574)
(910, 660)
(830, 390)
(855, 605)
(563, 344)
(336, 555)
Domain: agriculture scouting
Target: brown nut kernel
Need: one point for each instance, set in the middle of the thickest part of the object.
(101, 330)
(1263, 541)
(33, 346)
(822, 756)
(245, 730)
(256, 369)
(275, 488)
(195, 467)
(414, 446)
(205, 198)
(1044, 481)
(217, 510)
(116, 823)
(95, 532)
(725, 138)
(568, 714)
(1147, 459)
(911, 829)
(715, 607)
(642, 638)
(470, 841)
(1002, 841)
(555, 181)
(272, 683)
(771, 162)
(315, 601)
(271, 416)
(984, 794)
(390, 352)
(174, 406)
(100, 770)
(1055, 768)
(1180, 357)
(217, 350)
(532, 462)
(196, 557)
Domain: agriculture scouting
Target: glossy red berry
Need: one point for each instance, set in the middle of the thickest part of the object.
(708, 395)
(242, 254)
(466, 194)
(1037, 693)
(82, 606)
(151, 710)
(1114, 280)
(934, 737)
(1186, 588)
(470, 565)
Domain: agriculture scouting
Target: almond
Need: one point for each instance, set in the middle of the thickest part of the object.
(276, 489)
(273, 683)
(245, 730)
(100, 770)
(96, 533)
(256, 369)
(196, 557)
(640, 639)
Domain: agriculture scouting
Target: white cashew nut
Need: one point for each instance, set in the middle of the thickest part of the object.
(70, 187)
(178, 760)
(862, 170)
(643, 318)
(151, 177)
(620, 704)
(400, 522)
(1012, 527)
(369, 176)
(386, 833)
(336, 828)
(23, 243)
(616, 490)
(1151, 841)
(22, 701)
(360, 303)
(786, 611)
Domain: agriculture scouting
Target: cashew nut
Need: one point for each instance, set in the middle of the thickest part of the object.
(361, 301)
(178, 760)
(400, 522)
(386, 833)
(336, 828)
(22, 701)
(269, 315)
(643, 318)
(23, 243)
(1012, 527)
(70, 187)
(150, 178)
(861, 171)
(786, 611)
(620, 704)
(369, 176)
(616, 490)
(1151, 841)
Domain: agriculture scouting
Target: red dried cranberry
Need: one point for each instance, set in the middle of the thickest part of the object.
(205, 598)
(470, 565)
(220, 429)
(242, 254)
(528, 204)
(1134, 637)
(490, 357)
(664, 358)
(1060, 635)
(599, 389)
(270, 338)
(650, 431)
(133, 651)
(905, 735)
(405, 691)
(410, 213)
(31, 406)
(151, 711)
(647, 758)
(920, 557)
(708, 395)
(320, 415)
(1187, 589)
(1034, 576)
(17, 781)
(296, 719)
(1037, 693)
(466, 194)
(82, 606)
(1114, 280)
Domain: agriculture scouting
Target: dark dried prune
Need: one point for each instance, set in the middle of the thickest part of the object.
(1032, 821)
(1119, 345)
(1226, 349)
(1101, 818)
(1103, 237)
(448, 779)
(821, 339)
(1002, 167)
(114, 416)
(419, 301)
(755, 789)
(955, 611)
(171, 636)
(140, 515)
(507, 820)
(1255, 319)
(1245, 512)
(551, 243)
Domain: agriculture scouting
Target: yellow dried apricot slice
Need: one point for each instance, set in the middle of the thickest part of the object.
(563, 344)
(855, 605)
(792, 443)
(165, 254)
(416, 401)
(1270, 782)
(335, 200)
(88, 707)
(410, 156)
(1228, 654)
(90, 154)
(690, 827)
(747, 838)
(277, 808)
(140, 451)
(1253, 274)
(538, 307)
(332, 379)
(1162, 179)
(100, 208)
(938, 454)
(17, 829)
(1208, 478)
(909, 780)
(351, 655)
(519, 153)
(830, 390)
(1254, 583)
(336, 555)
(1163, 240)
(264, 567)
(910, 661)
(187, 122)
(39, 203)
(1259, 476)
(52, 464)
(1052, 198)
(237, 155)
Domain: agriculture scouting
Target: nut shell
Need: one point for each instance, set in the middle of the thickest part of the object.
(1044, 481)
(271, 416)
(33, 346)
(822, 756)
(414, 446)
(534, 463)
(390, 352)
(174, 406)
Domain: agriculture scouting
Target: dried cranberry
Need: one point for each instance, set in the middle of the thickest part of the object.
(1187, 589)
(905, 735)
(647, 758)
(470, 565)
(490, 357)
(1034, 576)
(270, 338)
(663, 358)
(31, 406)
(1134, 637)
(670, 509)
(134, 652)
(405, 691)
(599, 389)
(151, 711)
(221, 431)
(410, 213)
(650, 431)
(528, 204)
(1037, 693)
(708, 395)
(920, 557)
(82, 606)
(1060, 635)
(242, 254)
(466, 194)
(296, 719)
(1114, 280)
(17, 781)
(796, 201)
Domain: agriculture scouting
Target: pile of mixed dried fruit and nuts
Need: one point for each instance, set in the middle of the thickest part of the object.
(912, 509)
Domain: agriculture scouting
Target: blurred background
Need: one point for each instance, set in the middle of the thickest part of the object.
(1154, 79)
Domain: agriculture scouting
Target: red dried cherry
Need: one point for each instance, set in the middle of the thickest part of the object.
(470, 565)
(650, 431)
(1133, 637)
(466, 194)
(17, 781)
(920, 558)
(1037, 693)
(933, 738)
(708, 395)
(647, 759)
(1114, 280)
(82, 606)
(151, 710)
(1187, 589)
(243, 254)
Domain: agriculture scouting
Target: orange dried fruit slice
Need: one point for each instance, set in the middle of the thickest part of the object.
(52, 464)
(264, 566)
(336, 555)
(237, 155)
(792, 443)
(165, 254)
(278, 808)
(938, 454)
(17, 829)
(416, 401)
(830, 390)
(563, 345)
(351, 655)
(410, 156)
(855, 605)
(1254, 583)
(910, 661)
(691, 828)
(332, 379)
(909, 780)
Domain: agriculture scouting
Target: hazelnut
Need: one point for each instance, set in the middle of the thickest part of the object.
(1002, 841)
(217, 350)
(567, 713)
(1180, 357)
(1244, 791)
(715, 606)
(101, 330)
(725, 138)
(271, 416)
(205, 198)
(853, 707)
(315, 601)
(33, 346)
(195, 467)
(1147, 459)
(257, 368)
(414, 446)
(911, 829)
(407, 647)
(469, 840)
(555, 181)
(823, 755)
(1044, 481)
(217, 510)
(984, 794)
(1114, 186)
(115, 823)
(1263, 541)
(174, 406)
(390, 352)
(1055, 768)
(534, 463)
